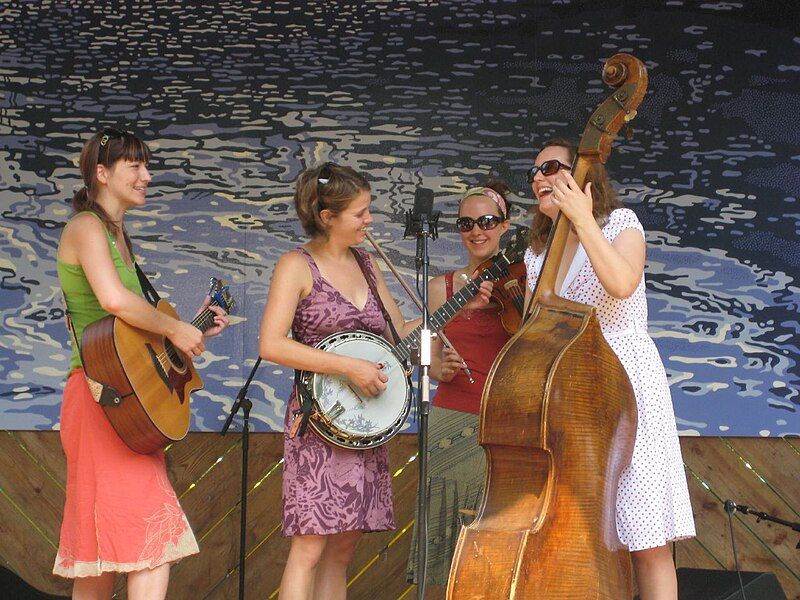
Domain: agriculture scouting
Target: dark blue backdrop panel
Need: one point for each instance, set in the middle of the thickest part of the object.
(237, 98)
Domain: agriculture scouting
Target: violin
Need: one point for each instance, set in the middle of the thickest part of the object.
(508, 293)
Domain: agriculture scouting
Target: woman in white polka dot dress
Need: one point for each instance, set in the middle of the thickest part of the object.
(603, 266)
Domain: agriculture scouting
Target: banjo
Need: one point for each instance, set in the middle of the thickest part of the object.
(343, 416)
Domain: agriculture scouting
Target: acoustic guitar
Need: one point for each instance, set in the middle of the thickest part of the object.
(141, 380)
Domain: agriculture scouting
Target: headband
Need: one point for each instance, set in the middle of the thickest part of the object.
(489, 193)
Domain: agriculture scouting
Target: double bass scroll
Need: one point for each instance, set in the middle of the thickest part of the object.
(558, 424)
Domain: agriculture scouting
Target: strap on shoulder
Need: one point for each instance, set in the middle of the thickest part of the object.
(150, 293)
(371, 284)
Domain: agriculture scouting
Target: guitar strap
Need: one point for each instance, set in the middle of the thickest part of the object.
(103, 394)
(306, 404)
(150, 293)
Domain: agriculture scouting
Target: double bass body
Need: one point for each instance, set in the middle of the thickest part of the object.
(547, 527)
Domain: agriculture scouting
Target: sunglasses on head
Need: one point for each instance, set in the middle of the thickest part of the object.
(486, 222)
(323, 179)
(548, 167)
(109, 134)
(325, 174)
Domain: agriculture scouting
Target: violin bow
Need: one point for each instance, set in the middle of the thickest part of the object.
(415, 299)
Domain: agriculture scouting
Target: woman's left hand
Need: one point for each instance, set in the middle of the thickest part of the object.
(567, 196)
(220, 318)
(483, 297)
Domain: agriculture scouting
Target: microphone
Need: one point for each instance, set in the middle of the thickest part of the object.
(422, 215)
(423, 204)
(422, 221)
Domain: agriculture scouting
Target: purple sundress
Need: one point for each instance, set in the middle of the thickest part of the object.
(327, 489)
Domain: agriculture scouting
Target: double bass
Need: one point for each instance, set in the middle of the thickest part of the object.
(558, 425)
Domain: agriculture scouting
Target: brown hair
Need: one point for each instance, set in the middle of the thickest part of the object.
(118, 145)
(311, 196)
(604, 197)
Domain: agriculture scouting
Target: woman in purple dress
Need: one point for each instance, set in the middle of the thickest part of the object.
(331, 495)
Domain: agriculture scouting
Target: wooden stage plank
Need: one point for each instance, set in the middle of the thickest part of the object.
(31, 501)
(31, 505)
(717, 473)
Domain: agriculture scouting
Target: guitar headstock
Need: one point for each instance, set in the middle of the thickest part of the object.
(220, 295)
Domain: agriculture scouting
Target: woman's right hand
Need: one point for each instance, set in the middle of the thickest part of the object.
(451, 364)
(188, 339)
(367, 376)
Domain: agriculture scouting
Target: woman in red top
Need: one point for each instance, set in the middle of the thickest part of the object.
(456, 462)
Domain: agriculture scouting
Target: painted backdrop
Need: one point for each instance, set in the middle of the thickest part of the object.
(237, 97)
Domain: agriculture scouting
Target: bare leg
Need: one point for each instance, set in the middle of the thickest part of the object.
(297, 582)
(149, 584)
(331, 578)
(93, 588)
(655, 573)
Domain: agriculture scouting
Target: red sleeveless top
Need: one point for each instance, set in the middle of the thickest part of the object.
(478, 336)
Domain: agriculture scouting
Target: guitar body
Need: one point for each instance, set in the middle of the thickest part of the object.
(150, 381)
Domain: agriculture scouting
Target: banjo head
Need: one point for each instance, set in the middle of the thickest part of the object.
(343, 415)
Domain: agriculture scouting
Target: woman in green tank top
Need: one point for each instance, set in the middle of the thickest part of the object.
(121, 513)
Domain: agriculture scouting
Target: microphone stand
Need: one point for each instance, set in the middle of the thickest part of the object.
(424, 226)
(730, 506)
(243, 402)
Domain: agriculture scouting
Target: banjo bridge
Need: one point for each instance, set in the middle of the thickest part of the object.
(335, 411)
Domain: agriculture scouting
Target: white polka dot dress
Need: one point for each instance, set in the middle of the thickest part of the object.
(653, 505)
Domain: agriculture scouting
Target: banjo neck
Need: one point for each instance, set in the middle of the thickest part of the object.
(450, 308)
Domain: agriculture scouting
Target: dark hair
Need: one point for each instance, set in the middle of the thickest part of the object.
(328, 186)
(106, 148)
(604, 197)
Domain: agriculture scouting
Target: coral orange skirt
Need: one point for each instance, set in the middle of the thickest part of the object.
(121, 513)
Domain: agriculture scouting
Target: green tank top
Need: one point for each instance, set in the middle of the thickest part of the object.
(82, 305)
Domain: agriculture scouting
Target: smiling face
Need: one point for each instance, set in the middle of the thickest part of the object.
(542, 185)
(481, 244)
(350, 225)
(126, 181)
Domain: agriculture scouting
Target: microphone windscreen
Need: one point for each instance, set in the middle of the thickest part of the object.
(423, 201)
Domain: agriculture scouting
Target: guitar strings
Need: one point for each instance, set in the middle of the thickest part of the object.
(200, 321)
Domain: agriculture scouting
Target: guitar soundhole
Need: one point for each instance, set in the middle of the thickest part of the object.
(174, 356)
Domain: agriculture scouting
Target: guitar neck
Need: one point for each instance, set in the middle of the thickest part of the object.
(205, 320)
(449, 309)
